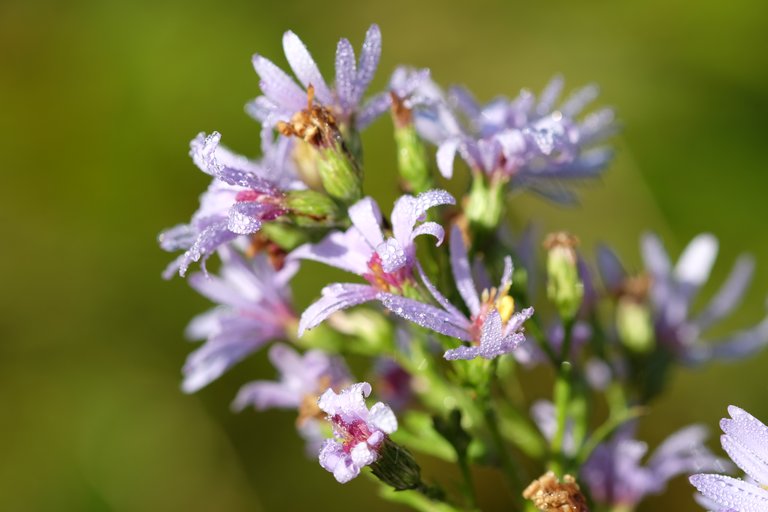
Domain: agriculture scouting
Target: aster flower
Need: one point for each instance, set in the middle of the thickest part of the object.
(303, 378)
(672, 291)
(242, 196)
(255, 308)
(745, 440)
(386, 263)
(616, 475)
(283, 97)
(492, 328)
(534, 143)
(359, 433)
(409, 88)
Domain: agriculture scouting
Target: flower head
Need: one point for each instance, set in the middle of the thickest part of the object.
(359, 433)
(493, 328)
(242, 196)
(385, 262)
(672, 290)
(534, 143)
(745, 440)
(283, 97)
(255, 308)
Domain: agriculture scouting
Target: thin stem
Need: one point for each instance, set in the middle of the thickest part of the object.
(469, 487)
(562, 397)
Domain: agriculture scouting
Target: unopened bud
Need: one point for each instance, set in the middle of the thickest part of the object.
(396, 467)
(412, 158)
(485, 204)
(634, 320)
(339, 173)
(310, 207)
(564, 286)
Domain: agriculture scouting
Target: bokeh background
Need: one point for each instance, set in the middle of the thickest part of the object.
(98, 100)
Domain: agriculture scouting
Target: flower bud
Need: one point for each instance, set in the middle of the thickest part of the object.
(564, 286)
(310, 207)
(634, 320)
(485, 204)
(396, 467)
(412, 158)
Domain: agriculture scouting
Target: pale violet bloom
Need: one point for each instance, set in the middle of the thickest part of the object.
(745, 440)
(385, 262)
(358, 432)
(255, 308)
(242, 195)
(303, 378)
(617, 476)
(492, 329)
(283, 97)
(411, 86)
(534, 143)
(673, 290)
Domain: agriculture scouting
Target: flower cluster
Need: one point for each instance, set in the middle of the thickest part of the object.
(448, 329)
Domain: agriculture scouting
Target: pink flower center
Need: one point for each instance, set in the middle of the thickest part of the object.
(386, 281)
(352, 433)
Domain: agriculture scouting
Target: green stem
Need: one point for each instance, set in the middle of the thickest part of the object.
(469, 487)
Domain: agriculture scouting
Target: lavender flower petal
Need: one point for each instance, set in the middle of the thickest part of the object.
(335, 297)
(731, 493)
(461, 271)
(425, 315)
(304, 66)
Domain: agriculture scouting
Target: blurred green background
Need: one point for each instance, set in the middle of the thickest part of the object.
(98, 101)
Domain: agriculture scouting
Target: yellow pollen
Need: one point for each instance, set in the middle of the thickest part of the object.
(505, 306)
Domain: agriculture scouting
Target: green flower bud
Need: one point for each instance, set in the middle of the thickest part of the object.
(396, 467)
(412, 158)
(340, 175)
(310, 207)
(635, 325)
(485, 204)
(564, 286)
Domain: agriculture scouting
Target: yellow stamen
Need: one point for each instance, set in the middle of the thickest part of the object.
(505, 306)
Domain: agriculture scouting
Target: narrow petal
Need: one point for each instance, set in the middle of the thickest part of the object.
(205, 152)
(335, 298)
(373, 108)
(654, 255)
(305, 68)
(206, 243)
(366, 217)
(278, 86)
(740, 345)
(430, 228)
(264, 395)
(181, 236)
(425, 315)
(408, 210)
(731, 493)
(611, 270)
(369, 61)
(346, 73)
(461, 271)
(748, 461)
(579, 100)
(215, 357)
(696, 262)
(446, 153)
(748, 431)
(730, 294)
(347, 251)
(549, 96)
(506, 275)
(440, 298)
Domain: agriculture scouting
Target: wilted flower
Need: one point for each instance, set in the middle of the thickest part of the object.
(242, 196)
(255, 308)
(492, 329)
(745, 440)
(386, 263)
(672, 291)
(359, 433)
(534, 144)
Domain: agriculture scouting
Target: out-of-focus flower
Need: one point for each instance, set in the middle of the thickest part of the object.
(531, 143)
(386, 263)
(745, 440)
(303, 378)
(672, 290)
(616, 475)
(359, 433)
(493, 327)
(283, 97)
(255, 308)
(242, 196)
(393, 383)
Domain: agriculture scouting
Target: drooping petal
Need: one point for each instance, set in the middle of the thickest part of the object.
(205, 152)
(335, 297)
(304, 66)
(461, 271)
(206, 243)
(245, 217)
(425, 315)
(430, 228)
(408, 210)
(181, 236)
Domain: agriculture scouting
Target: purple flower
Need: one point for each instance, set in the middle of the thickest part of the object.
(385, 262)
(616, 475)
(303, 378)
(242, 196)
(393, 383)
(492, 328)
(536, 144)
(673, 290)
(411, 87)
(255, 307)
(283, 97)
(745, 440)
(358, 432)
